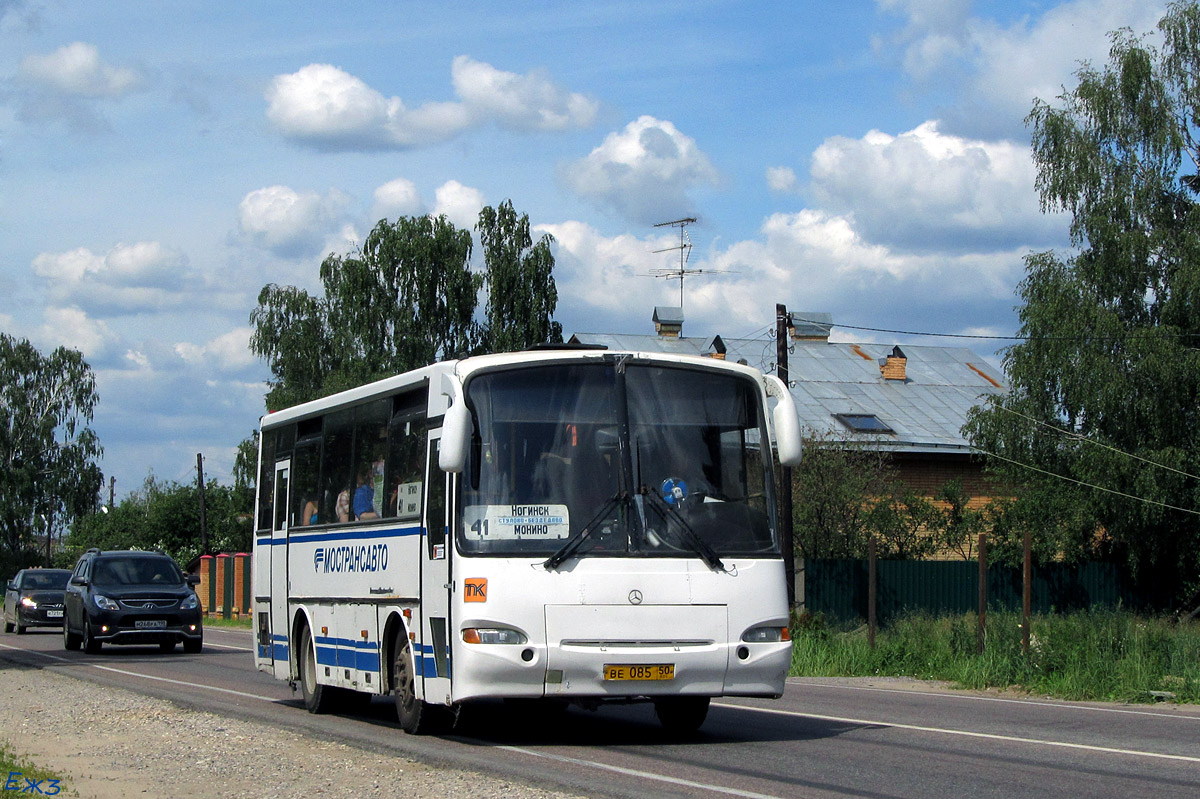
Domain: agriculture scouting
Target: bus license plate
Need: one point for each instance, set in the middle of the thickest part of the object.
(150, 624)
(653, 671)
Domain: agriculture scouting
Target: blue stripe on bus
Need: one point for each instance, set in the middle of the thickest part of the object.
(365, 654)
(344, 535)
(348, 653)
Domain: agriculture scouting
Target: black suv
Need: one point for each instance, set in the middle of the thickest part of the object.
(131, 597)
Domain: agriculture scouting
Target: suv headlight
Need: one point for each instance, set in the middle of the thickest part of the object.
(28, 602)
(766, 635)
(190, 603)
(492, 635)
(104, 603)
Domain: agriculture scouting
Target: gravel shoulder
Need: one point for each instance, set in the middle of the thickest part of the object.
(109, 743)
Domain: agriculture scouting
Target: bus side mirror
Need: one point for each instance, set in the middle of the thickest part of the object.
(456, 429)
(787, 424)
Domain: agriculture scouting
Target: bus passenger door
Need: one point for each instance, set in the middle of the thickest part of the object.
(432, 652)
(277, 585)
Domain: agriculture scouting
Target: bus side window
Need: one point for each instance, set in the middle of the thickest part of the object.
(336, 467)
(405, 461)
(435, 502)
(266, 480)
(370, 447)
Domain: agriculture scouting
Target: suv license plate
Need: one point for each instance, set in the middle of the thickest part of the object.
(150, 624)
(627, 671)
(54, 614)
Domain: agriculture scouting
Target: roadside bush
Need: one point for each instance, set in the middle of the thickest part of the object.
(1093, 655)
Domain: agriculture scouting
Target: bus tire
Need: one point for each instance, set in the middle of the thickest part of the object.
(317, 698)
(416, 716)
(681, 714)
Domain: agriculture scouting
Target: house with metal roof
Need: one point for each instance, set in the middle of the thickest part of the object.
(910, 401)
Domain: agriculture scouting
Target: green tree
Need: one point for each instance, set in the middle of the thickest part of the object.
(165, 515)
(1105, 389)
(48, 451)
(522, 295)
(406, 299)
(845, 494)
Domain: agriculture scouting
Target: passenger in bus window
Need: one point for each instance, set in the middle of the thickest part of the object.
(343, 506)
(364, 495)
(310, 513)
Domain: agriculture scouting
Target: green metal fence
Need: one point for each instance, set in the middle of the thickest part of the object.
(838, 588)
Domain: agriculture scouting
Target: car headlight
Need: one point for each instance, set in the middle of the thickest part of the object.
(191, 603)
(492, 635)
(104, 603)
(766, 635)
(28, 602)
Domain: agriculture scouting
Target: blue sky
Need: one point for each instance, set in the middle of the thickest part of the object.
(161, 162)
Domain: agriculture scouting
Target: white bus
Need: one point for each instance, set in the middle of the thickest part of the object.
(563, 525)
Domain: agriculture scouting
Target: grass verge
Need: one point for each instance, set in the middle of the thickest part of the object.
(1094, 655)
(19, 775)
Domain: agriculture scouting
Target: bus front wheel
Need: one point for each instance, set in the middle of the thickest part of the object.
(416, 717)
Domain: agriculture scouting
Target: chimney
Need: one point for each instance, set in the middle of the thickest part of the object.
(810, 325)
(894, 366)
(715, 348)
(668, 321)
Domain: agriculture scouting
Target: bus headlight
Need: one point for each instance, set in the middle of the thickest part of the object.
(492, 635)
(766, 635)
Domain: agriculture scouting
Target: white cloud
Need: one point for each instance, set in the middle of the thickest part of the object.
(326, 107)
(397, 198)
(288, 222)
(781, 179)
(999, 69)
(228, 352)
(77, 69)
(644, 171)
(129, 278)
(529, 101)
(460, 204)
(923, 190)
(72, 327)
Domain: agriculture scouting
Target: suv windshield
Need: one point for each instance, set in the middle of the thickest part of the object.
(136, 571)
(617, 458)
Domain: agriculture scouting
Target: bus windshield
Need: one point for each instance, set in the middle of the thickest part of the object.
(617, 458)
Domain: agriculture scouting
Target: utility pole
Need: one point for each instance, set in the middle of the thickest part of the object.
(203, 520)
(112, 490)
(785, 493)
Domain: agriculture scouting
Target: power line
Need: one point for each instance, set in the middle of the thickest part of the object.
(1087, 485)
(1078, 436)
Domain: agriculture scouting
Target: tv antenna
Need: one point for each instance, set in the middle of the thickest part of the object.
(685, 251)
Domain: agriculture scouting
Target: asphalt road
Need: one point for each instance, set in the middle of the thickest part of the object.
(822, 739)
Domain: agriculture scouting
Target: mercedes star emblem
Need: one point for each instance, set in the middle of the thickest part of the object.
(635, 597)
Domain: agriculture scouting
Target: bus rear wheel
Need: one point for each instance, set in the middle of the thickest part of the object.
(681, 714)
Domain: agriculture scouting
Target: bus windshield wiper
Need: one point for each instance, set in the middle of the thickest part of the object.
(585, 533)
(688, 533)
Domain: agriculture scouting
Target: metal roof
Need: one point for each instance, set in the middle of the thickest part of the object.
(926, 411)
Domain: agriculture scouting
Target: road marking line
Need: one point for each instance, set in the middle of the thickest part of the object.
(182, 682)
(648, 775)
(126, 672)
(965, 733)
(229, 646)
(970, 697)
